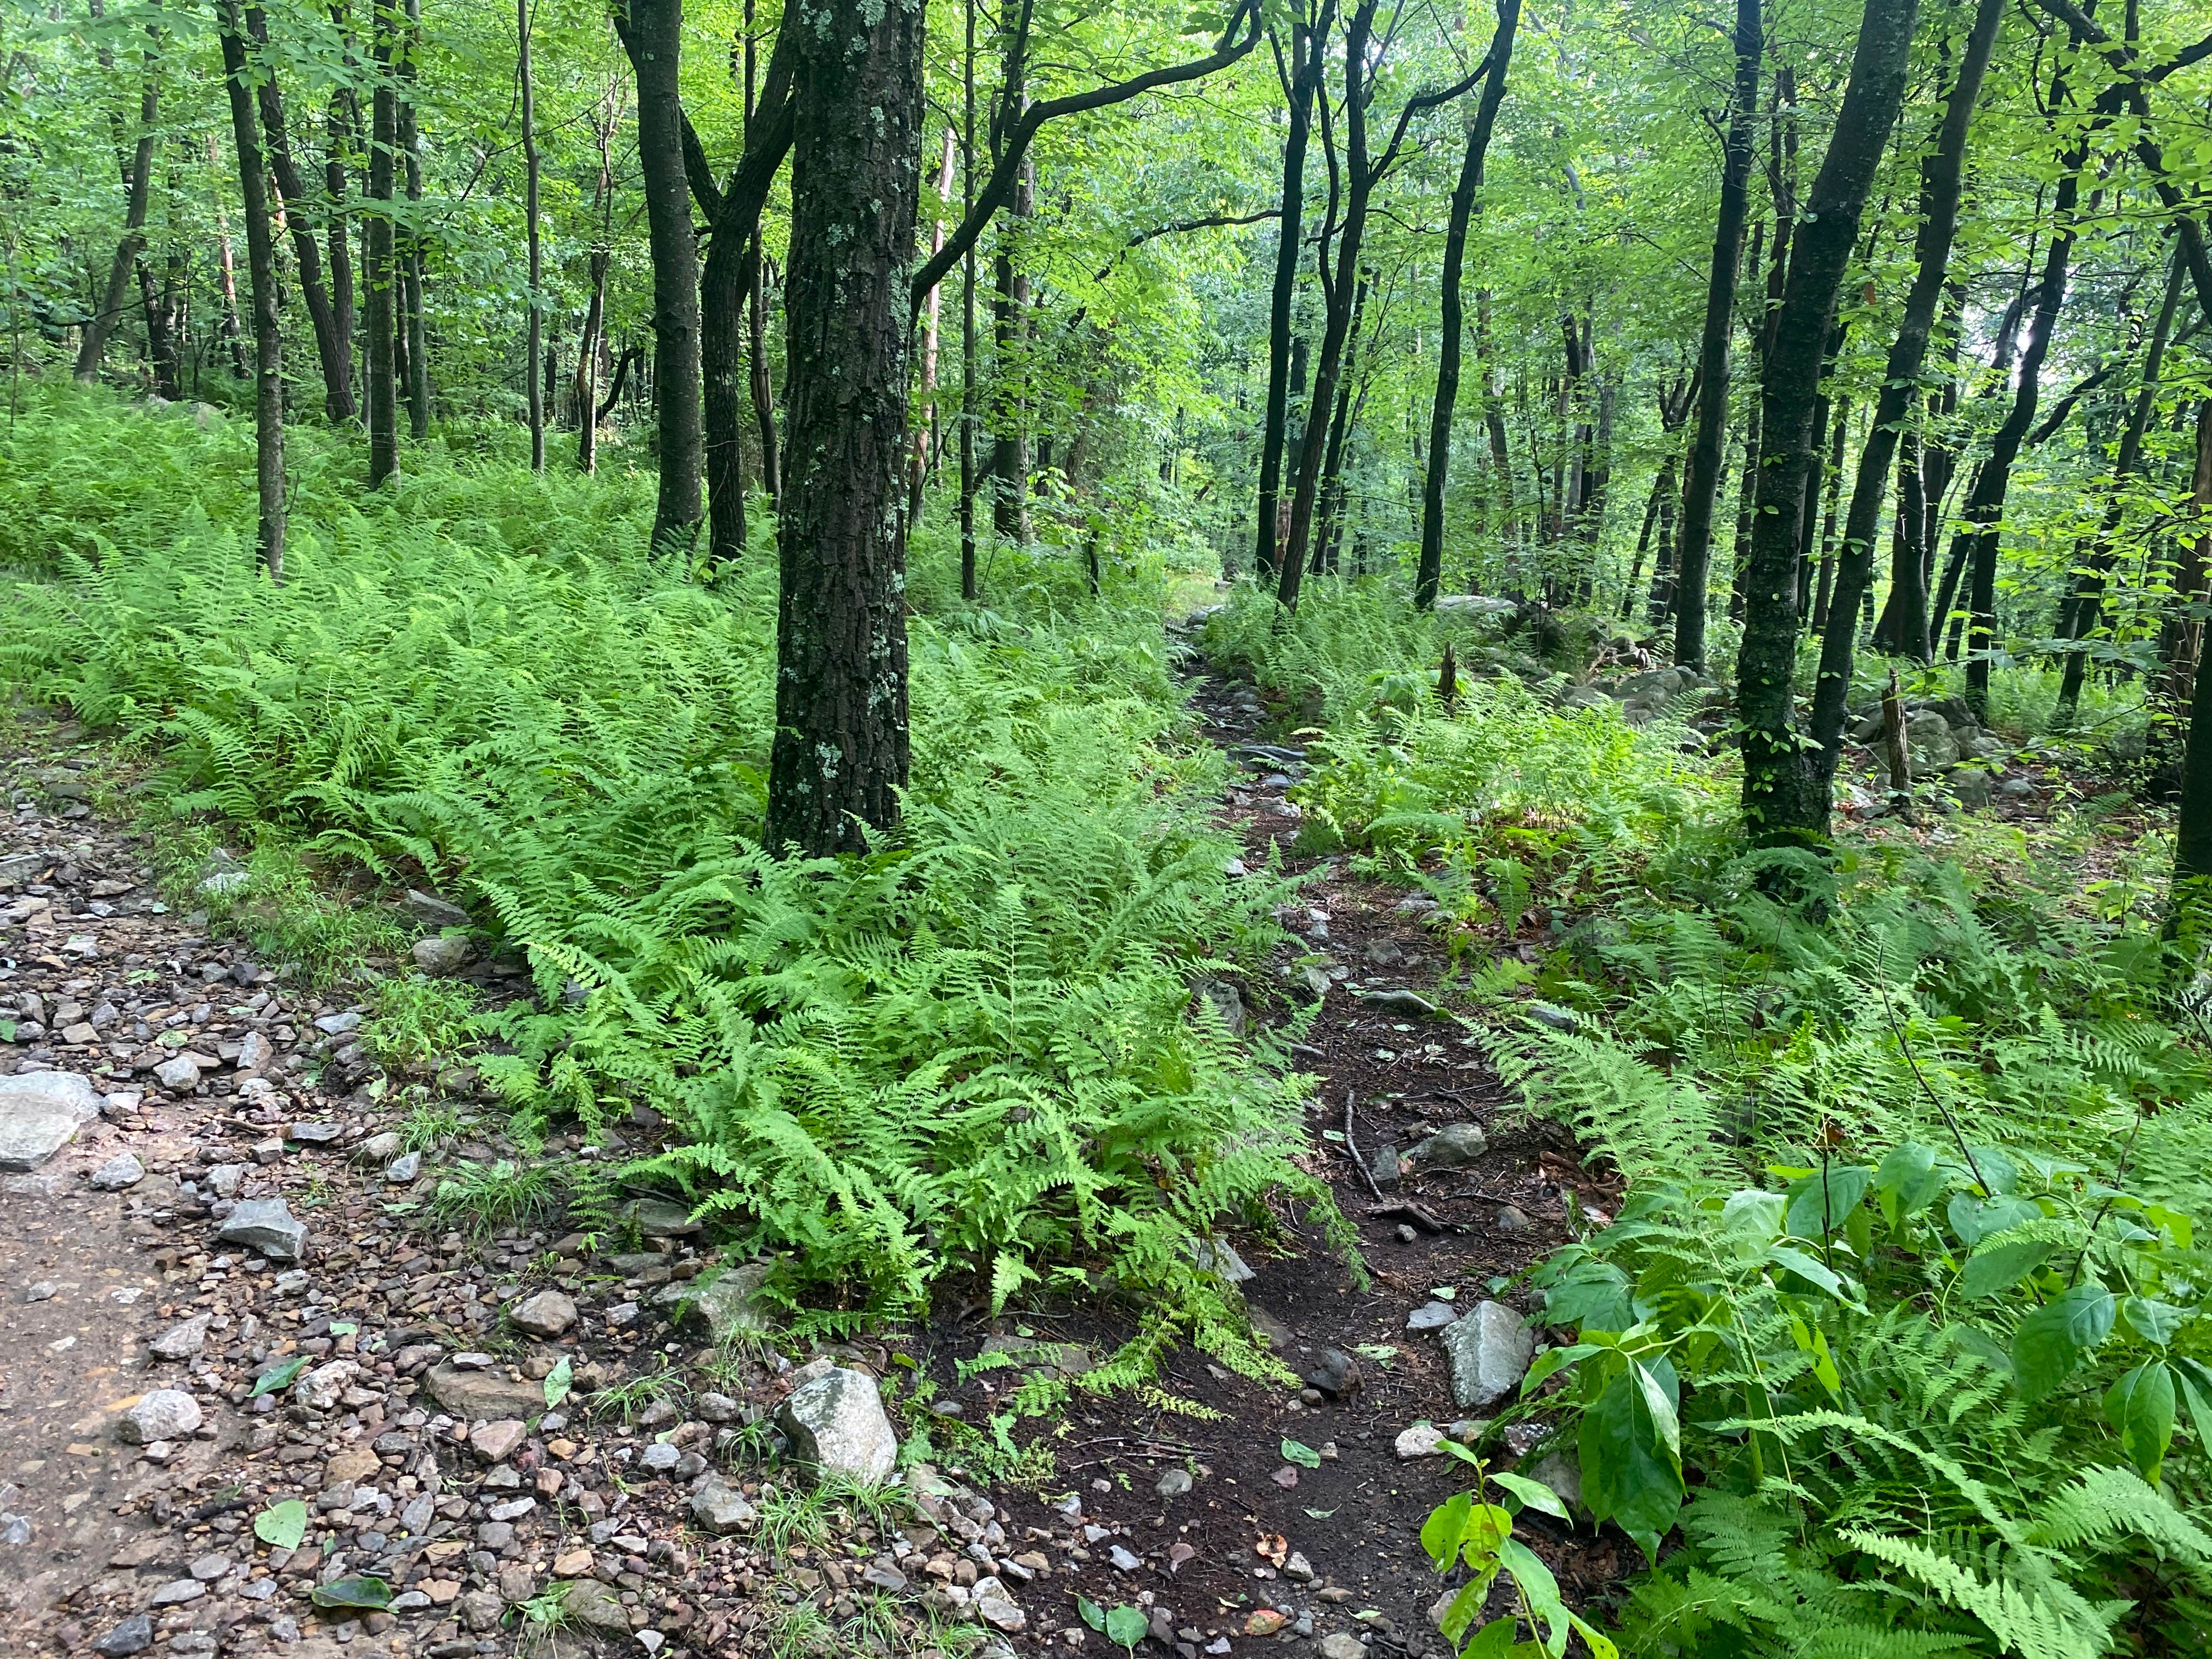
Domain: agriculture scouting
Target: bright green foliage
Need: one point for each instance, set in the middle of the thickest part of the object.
(970, 1051)
(1467, 1531)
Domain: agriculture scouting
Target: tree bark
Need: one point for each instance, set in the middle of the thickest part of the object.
(137, 180)
(918, 462)
(536, 346)
(1785, 798)
(413, 330)
(382, 273)
(2181, 641)
(341, 144)
(261, 271)
(1702, 473)
(967, 588)
(1306, 68)
(1429, 576)
(841, 753)
(225, 268)
(1838, 440)
(1332, 473)
(653, 38)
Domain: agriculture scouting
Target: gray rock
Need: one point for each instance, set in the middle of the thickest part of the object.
(340, 1025)
(1972, 786)
(729, 1304)
(656, 1218)
(1422, 1440)
(380, 1148)
(1928, 740)
(1551, 1014)
(442, 953)
(1216, 1257)
(40, 1114)
(1489, 1350)
(176, 1593)
(434, 912)
(2016, 788)
(134, 1635)
(319, 1133)
(660, 1456)
(160, 1414)
(1564, 1475)
(595, 1606)
(181, 1073)
(15, 1528)
(720, 1507)
(1124, 1559)
(1432, 1316)
(122, 1170)
(1386, 1168)
(322, 1389)
(404, 1169)
(1335, 1373)
(183, 1342)
(223, 1178)
(476, 1396)
(1173, 1484)
(1511, 1219)
(21, 866)
(549, 1313)
(836, 1423)
(1225, 999)
(1452, 1147)
(267, 1225)
(255, 1051)
(1338, 1643)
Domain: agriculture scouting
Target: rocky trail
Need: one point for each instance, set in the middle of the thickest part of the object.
(259, 1394)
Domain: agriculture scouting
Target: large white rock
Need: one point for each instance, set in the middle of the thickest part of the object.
(40, 1114)
(836, 1423)
(1489, 1350)
(163, 1414)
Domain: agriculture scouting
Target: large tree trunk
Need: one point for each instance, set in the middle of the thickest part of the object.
(1702, 471)
(137, 180)
(841, 752)
(536, 347)
(2181, 641)
(382, 273)
(1784, 798)
(225, 268)
(341, 146)
(261, 267)
(967, 588)
(1332, 473)
(1010, 369)
(654, 39)
(411, 322)
(1429, 573)
(1307, 65)
(1941, 178)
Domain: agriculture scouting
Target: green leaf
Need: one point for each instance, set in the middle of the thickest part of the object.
(2057, 1336)
(1822, 1203)
(1632, 1463)
(1974, 1220)
(1093, 1614)
(278, 1377)
(1907, 1181)
(345, 1328)
(1127, 1627)
(1322, 1515)
(2140, 1407)
(360, 1591)
(2194, 1379)
(2154, 1322)
(1446, 1525)
(1534, 1493)
(7, 1030)
(1807, 1268)
(282, 1525)
(558, 1382)
(1552, 1360)
(1594, 1295)
(1303, 1455)
(1499, 1639)
(2001, 1267)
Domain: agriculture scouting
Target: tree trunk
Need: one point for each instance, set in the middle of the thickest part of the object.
(261, 271)
(2193, 845)
(1835, 490)
(2181, 641)
(967, 588)
(2089, 583)
(654, 39)
(841, 752)
(1785, 799)
(1332, 474)
(409, 248)
(382, 273)
(536, 346)
(1493, 422)
(1307, 66)
(1702, 473)
(1429, 573)
(1010, 438)
(918, 461)
(341, 144)
(595, 310)
(225, 268)
(137, 178)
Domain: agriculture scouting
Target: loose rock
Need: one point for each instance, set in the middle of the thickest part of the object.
(40, 1114)
(183, 1342)
(836, 1423)
(1489, 1350)
(267, 1225)
(121, 1171)
(163, 1414)
(549, 1313)
(1452, 1147)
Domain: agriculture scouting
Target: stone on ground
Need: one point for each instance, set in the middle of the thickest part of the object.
(39, 1114)
(549, 1313)
(183, 1342)
(720, 1507)
(265, 1224)
(122, 1170)
(480, 1396)
(161, 1414)
(730, 1303)
(1489, 1350)
(836, 1423)
(1452, 1147)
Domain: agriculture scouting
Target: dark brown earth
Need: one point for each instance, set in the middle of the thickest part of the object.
(113, 1532)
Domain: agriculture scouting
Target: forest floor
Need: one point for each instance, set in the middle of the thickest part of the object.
(549, 1529)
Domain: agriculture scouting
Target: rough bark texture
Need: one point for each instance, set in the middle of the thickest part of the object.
(414, 330)
(841, 752)
(1702, 471)
(1429, 575)
(382, 271)
(1306, 66)
(261, 270)
(530, 210)
(653, 37)
(1785, 793)
(1941, 178)
(137, 178)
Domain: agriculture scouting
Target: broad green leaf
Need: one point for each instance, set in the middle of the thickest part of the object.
(1552, 1360)
(1499, 1639)
(282, 1525)
(1998, 1168)
(558, 1382)
(2194, 1380)
(1807, 1268)
(1535, 1493)
(1126, 1626)
(345, 1328)
(1907, 1181)
(2001, 1267)
(2140, 1407)
(1594, 1295)
(1755, 1211)
(1631, 1470)
(360, 1591)
(1822, 1203)
(1445, 1526)
(1973, 1220)
(278, 1377)
(1303, 1455)
(1093, 1614)
(2154, 1322)
(1814, 1341)
(2052, 1341)
(1659, 1401)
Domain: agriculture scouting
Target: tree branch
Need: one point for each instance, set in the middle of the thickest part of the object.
(1232, 45)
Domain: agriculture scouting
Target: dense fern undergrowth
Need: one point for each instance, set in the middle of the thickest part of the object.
(971, 1054)
(1901, 1339)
